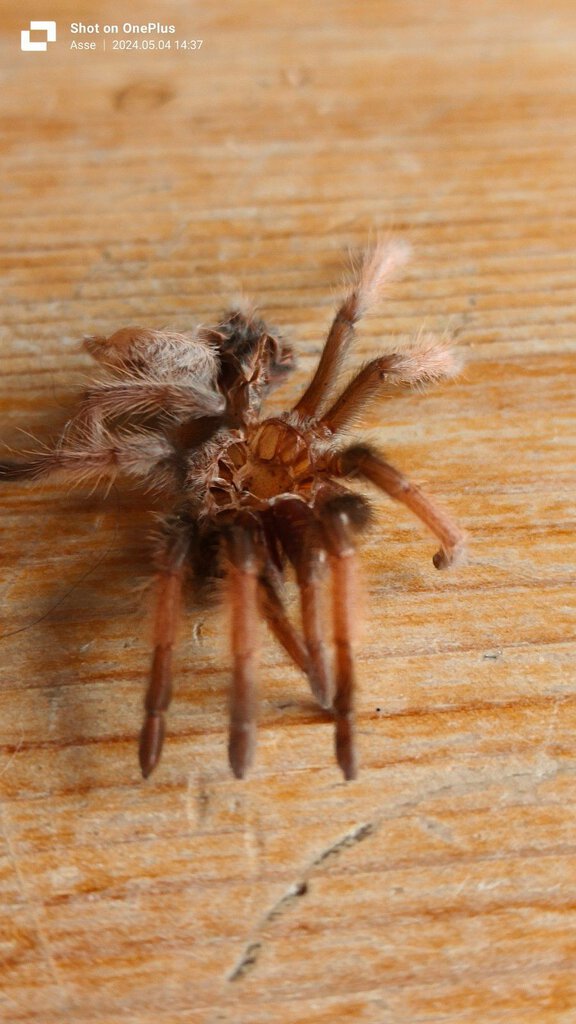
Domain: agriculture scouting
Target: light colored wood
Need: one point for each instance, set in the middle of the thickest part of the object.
(147, 187)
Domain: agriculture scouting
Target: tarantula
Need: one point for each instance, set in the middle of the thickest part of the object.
(181, 412)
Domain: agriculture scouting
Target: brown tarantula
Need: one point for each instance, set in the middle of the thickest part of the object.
(182, 412)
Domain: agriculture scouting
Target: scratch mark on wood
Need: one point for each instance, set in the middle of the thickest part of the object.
(300, 888)
(13, 754)
(197, 801)
(356, 836)
(248, 960)
(294, 892)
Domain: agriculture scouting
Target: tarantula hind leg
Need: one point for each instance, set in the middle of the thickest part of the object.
(297, 527)
(341, 550)
(273, 610)
(10, 469)
(243, 590)
(168, 602)
(362, 461)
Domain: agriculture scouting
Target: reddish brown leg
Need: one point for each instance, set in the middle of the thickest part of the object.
(376, 268)
(309, 577)
(159, 692)
(272, 609)
(363, 462)
(244, 629)
(297, 527)
(427, 362)
(343, 564)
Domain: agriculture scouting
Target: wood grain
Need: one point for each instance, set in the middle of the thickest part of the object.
(149, 187)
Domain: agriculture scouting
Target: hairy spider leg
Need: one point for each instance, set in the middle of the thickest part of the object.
(309, 572)
(273, 611)
(341, 550)
(13, 469)
(169, 583)
(173, 401)
(428, 360)
(101, 453)
(243, 592)
(297, 527)
(362, 461)
(376, 268)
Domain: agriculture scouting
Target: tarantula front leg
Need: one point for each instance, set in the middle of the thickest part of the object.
(428, 361)
(168, 601)
(376, 268)
(361, 461)
(243, 577)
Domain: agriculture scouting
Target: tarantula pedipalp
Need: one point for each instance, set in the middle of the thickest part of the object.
(181, 412)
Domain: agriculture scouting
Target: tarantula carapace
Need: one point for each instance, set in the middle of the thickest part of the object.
(251, 496)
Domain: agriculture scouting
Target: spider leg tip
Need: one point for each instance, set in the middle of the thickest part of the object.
(147, 765)
(326, 701)
(348, 764)
(241, 748)
(150, 747)
(322, 690)
(448, 559)
(345, 751)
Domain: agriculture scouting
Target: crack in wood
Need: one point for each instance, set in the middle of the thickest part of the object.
(356, 836)
(253, 949)
(247, 962)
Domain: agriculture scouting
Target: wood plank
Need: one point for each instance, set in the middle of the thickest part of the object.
(148, 187)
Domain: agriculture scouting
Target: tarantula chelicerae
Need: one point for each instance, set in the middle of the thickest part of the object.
(182, 412)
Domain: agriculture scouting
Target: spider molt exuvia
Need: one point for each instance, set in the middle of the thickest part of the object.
(251, 497)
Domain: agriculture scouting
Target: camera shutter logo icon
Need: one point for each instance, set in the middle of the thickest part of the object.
(49, 27)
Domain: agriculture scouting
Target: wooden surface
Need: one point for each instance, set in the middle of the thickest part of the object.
(148, 187)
